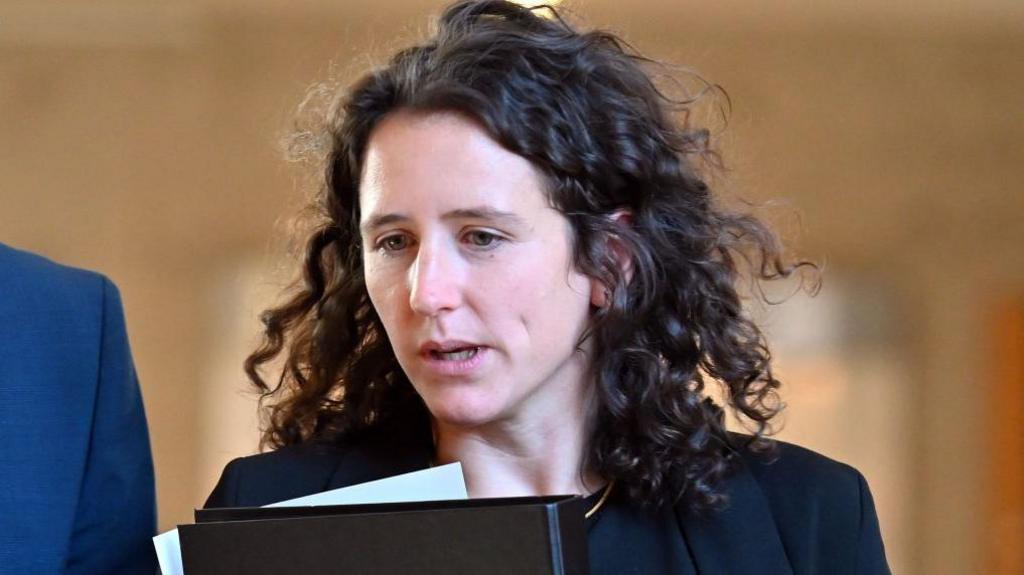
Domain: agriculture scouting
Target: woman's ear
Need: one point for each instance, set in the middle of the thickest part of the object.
(599, 293)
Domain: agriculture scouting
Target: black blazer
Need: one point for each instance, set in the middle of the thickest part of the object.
(802, 514)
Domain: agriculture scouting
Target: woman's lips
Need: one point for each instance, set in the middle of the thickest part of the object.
(461, 362)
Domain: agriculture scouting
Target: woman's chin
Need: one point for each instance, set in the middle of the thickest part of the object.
(464, 411)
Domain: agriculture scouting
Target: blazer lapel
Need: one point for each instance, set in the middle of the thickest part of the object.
(741, 538)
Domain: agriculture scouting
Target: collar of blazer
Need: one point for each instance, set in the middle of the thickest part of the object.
(741, 538)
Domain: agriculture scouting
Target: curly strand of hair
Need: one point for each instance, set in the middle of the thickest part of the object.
(284, 325)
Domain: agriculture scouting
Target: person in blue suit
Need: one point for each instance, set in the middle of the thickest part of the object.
(76, 473)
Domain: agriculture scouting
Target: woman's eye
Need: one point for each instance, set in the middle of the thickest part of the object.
(393, 243)
(482, 239)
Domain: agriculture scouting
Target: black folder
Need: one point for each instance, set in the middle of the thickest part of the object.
(519, 535)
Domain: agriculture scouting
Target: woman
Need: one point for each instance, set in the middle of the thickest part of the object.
(520, 267)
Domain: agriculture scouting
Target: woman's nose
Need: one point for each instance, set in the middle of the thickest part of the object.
(433, 282)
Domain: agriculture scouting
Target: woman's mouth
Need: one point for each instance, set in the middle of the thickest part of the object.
(455, 355)
(455, 360)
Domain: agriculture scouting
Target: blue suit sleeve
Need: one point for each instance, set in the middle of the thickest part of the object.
(116, 510)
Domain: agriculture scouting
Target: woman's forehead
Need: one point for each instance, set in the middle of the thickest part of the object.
(445, 162)
(436, 142)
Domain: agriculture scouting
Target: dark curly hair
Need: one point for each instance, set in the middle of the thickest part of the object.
(583, 108)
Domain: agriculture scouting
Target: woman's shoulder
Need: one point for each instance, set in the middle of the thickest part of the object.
(315, 466)
(285, 473)
(822, 508)
(795, 475)
(796, 511)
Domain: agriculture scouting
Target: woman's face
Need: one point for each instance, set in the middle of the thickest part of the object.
(470, 271)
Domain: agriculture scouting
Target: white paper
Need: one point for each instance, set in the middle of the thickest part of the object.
(168, 553)
(434, 484)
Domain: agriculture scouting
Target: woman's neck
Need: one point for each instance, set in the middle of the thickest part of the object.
(512, 459)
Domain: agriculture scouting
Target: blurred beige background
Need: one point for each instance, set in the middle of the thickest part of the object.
(140, 139)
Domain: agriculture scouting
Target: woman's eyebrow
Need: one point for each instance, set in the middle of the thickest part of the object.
(485, 213)
(482, 213)
(378, 221)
